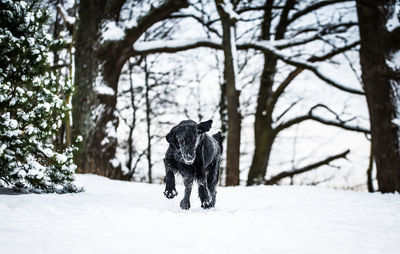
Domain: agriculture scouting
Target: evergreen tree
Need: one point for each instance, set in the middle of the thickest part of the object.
(31, 110)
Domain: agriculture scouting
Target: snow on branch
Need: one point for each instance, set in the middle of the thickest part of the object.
(68, 20)
(266, 46)
(311, 116)
(172, 46)
(154, 15)
(227, 7)
(275, 179)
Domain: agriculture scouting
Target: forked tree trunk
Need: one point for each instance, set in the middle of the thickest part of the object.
(98, 67)
(232, 97)
(379, 42)
(264, 134)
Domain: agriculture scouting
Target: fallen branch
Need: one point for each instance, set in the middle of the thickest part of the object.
(275, 179)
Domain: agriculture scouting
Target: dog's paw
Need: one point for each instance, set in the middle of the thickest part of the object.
(185, 205)
(206, 204)
(170, 193)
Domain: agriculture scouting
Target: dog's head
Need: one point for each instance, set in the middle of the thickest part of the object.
(185, 138)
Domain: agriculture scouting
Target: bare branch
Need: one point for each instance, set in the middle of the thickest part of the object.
(316, 6)
(292, 75)
(275, 179)
(300, 63)
(198, 19)
(256, 8)
(310, 116)
(319, 34)
(287, 110)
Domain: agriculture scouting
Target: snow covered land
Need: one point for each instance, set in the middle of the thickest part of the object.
(126, 217)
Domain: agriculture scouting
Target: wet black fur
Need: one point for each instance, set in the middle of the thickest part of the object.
(196, 156)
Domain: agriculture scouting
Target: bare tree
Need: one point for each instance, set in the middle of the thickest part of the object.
(265, 126)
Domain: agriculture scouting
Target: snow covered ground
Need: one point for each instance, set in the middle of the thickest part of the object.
(125, 217)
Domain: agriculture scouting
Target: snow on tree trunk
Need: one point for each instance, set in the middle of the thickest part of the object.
(95, 98)
(379, 56)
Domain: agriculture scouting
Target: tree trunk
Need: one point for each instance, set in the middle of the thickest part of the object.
(148, 118)
(232, 97)
(95, 98)
(263, 132)
(132, 125)
(382, 87)
(93, 112)
(263, 146)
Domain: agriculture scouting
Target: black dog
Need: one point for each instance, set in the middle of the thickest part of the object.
(196, 156)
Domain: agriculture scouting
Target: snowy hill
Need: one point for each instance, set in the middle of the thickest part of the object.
(124, 217)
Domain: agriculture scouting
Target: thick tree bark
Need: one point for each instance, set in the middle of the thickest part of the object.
(91, 14)
(93, 110)
(232, 97)
(382, 87)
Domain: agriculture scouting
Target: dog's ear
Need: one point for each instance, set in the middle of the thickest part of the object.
(171, 137)
(204, 126)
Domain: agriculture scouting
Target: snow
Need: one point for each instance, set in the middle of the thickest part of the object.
(228, 8)
(393, 61)
(104, 89)
(141, 46)
(61, 158)
(396, 122)
(69, 19)
(125, 217)
(393, 22)
(115, 162)
(111, 31)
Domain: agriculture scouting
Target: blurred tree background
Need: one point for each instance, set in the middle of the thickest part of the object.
(280, 78)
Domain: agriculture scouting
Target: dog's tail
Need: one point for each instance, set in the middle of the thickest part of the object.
(218, 137)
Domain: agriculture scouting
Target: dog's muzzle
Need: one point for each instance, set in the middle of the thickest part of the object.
(187, 158)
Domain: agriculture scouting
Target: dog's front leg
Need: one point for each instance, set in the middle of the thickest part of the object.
(203, 193)
(185, 203)
(170, 191)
